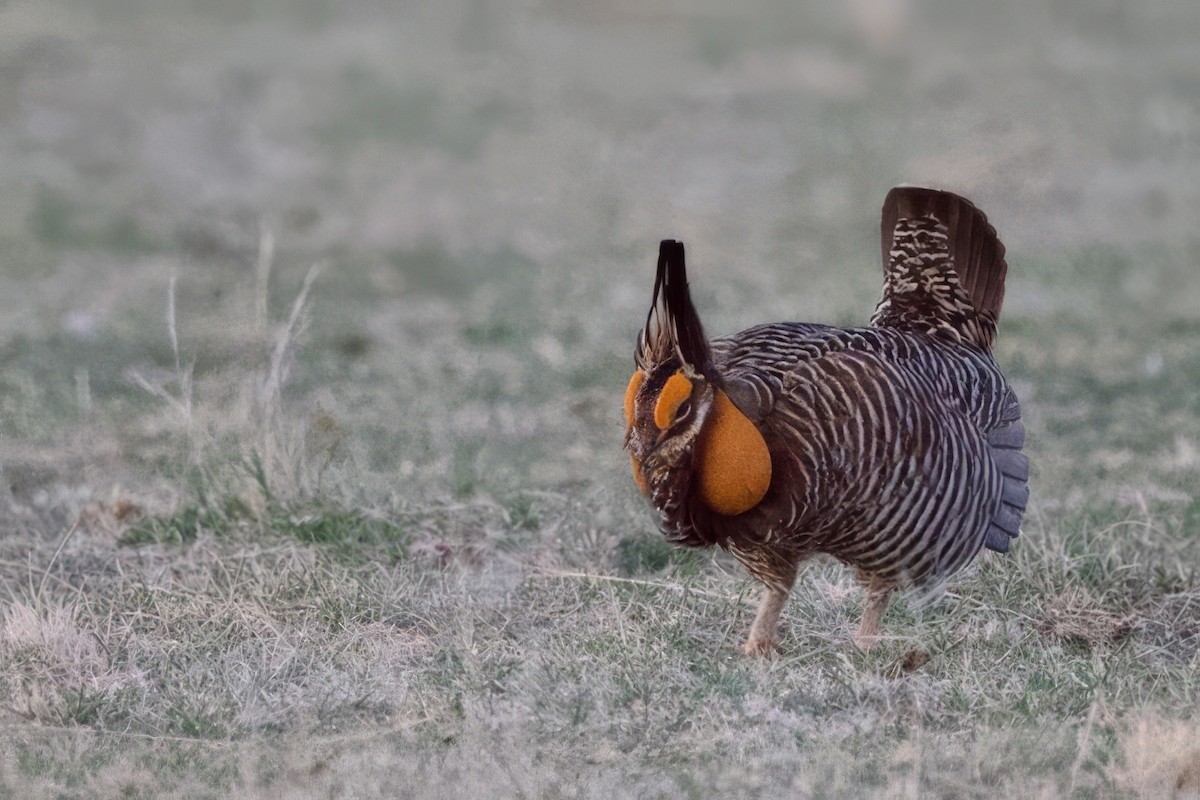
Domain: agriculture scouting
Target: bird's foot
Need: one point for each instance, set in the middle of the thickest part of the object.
(865, 642)
(759, 648)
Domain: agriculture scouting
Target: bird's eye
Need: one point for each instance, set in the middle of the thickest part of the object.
(684, 409)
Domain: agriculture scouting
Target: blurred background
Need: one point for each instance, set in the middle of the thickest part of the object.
(315, 321)
(483, 185)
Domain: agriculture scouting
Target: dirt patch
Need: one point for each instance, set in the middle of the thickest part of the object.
(1172, 627)
(1074, 615)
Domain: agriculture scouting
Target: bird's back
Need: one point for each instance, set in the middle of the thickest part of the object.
(897, 447)
(881, 439)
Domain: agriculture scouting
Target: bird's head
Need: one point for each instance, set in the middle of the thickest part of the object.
(681, 427)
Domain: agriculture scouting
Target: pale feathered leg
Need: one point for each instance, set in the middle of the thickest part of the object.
(878, 595)
(761, 642)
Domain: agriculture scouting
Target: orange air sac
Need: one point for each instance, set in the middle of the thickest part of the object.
(631, 391)
(635, 383)
(734, 462)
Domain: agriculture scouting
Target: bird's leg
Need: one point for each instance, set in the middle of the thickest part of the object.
(878, 595)
(761, 641)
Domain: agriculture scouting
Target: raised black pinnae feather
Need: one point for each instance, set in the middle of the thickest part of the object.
(672, 324)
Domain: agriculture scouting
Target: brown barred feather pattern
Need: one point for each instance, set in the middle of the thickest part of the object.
(894, 448)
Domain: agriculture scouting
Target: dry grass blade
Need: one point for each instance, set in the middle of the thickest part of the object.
(41, 590)
(664, 585)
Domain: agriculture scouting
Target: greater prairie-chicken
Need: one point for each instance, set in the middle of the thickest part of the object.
(895, 448)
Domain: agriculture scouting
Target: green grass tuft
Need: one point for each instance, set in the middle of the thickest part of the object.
(348, 533)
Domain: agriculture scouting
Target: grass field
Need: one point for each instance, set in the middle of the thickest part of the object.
(314, 324)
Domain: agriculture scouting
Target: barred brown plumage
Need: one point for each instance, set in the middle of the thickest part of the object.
(894, 448)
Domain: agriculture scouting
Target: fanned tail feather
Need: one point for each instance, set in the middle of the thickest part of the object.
(1005, 442)
(944, 267)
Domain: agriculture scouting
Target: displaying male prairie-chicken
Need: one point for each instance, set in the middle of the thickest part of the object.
(895, 448)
